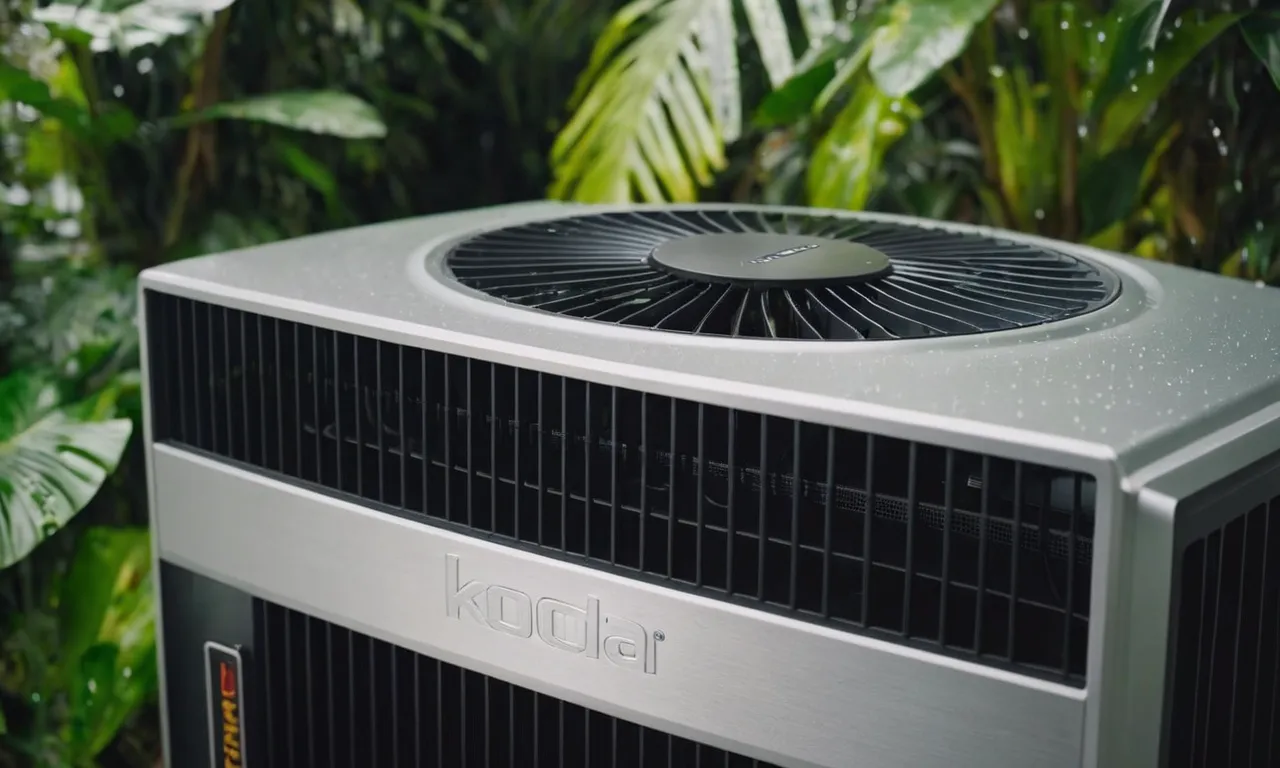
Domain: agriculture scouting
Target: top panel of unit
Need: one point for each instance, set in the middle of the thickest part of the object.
(1008, 337)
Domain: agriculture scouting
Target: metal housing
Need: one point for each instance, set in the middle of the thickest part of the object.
(1169, 391)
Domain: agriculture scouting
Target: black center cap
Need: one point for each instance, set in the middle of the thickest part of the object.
(765, 260)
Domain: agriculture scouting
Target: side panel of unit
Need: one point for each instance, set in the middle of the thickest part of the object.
(1222, 681)
(757, 684)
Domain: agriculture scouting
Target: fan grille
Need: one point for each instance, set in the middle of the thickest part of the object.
(600, 267)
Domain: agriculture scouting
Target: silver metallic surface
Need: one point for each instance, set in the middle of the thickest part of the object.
(762, 685)
(1176, 356)
(1161, 394)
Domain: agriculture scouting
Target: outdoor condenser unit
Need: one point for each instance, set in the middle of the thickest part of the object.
(551, 485)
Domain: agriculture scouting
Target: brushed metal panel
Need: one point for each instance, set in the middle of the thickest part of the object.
(755, 683)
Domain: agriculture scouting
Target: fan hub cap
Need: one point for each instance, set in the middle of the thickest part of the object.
(764, 260)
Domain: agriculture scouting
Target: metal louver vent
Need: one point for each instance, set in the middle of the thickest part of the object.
(759, 273)
(980, 556)
(331, 696)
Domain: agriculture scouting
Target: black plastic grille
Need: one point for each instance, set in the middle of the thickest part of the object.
(973, 555)
(334, 698)
(1227, 660)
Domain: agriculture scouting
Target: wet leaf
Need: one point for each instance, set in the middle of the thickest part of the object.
(920, 37)
(1172, 54)
(1109, 189)
(330, 113)
(1151, 13)
(1128, 54)
(108, 566)
(1262, 33)
(107, 625)
(846, 163)
(793, 100)
(53, 459)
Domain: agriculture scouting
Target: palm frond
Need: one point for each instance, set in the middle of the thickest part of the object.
(643, 123)
(661, 96)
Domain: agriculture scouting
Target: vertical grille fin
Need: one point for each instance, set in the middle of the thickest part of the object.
(977, 556)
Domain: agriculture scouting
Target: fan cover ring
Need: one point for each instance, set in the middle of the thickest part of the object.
(777, 274)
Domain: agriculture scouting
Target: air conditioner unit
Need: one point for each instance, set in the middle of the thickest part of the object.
(712, 486)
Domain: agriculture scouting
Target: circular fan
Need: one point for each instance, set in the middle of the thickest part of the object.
(758, 273)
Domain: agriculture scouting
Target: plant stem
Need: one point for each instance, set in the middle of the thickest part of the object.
(1068, 176)
(199, 137)
(962, 85)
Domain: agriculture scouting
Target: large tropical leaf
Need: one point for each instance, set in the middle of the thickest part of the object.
(107, 627)
(661, 96)
(53, 458)
(325, 112)
(1177, 48)
(1262, 32)
(921, 37)
(642, 124)
(125, 26)
(847, 162)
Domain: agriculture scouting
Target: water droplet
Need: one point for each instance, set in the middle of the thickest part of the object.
(1134, 88)
(1151, 66)
(997, 71)
(1102, 37)
(1257, 226)
(1065, 25)
(1177, 23)
(1216, 131)
(1082, 130)
(118, 90)
(1040, 214)
(145, 65)
(1024, 33)
(1239, 185)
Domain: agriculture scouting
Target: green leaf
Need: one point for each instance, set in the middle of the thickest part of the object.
(1152, 13)
(1109, 189)
(105, 573)
(769, 28)
(19, 85)
(433, 20)
(832, 68)
(311, 171)
(643, 125)
(80, 321)
(718, 39)
(1177, 48)
(324, 112)
(1262, 33)
(123, 26)
(106, 619)
(53, 460)
(920, 37)
(1125, 33)
(846, 163)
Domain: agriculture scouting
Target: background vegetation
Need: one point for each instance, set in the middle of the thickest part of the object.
(134, 132)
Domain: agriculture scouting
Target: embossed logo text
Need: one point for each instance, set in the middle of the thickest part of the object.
(785, 252)
(580, 629)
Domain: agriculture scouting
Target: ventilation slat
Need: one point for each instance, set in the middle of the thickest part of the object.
(976, 556)
(1226, 659)
(384, 706)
